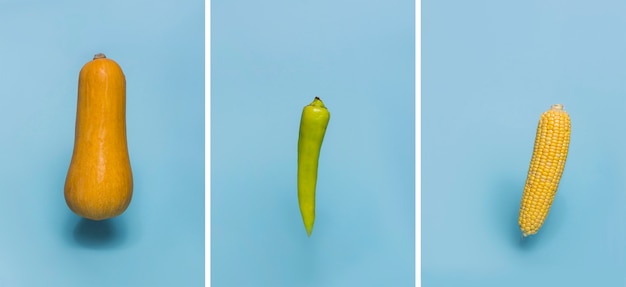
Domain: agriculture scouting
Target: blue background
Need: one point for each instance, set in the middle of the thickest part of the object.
(159, 240)
(489, 69)
(270, 59)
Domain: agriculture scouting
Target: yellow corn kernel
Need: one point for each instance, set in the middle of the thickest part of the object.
(546, 168)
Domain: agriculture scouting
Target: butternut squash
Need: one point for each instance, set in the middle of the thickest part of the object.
(99, 182)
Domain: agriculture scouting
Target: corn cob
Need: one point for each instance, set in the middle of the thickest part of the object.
(546, 168)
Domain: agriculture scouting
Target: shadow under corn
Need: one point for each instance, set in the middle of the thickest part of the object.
(507, 194)
(551, 226)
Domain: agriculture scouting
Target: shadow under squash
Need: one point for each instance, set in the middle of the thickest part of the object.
(102, 234)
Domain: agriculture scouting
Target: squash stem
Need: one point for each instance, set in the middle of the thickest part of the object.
(99, 56)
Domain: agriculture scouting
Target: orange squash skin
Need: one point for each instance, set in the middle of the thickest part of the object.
(99, 182)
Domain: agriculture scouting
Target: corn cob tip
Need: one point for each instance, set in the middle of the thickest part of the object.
(557, 107)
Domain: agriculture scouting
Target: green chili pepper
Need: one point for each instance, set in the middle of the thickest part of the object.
(313, 125)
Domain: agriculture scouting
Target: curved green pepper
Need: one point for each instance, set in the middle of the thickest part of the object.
(313, 125)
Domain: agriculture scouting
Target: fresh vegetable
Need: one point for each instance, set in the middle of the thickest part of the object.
(313, 125)
(546, 167)
(99, 182)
